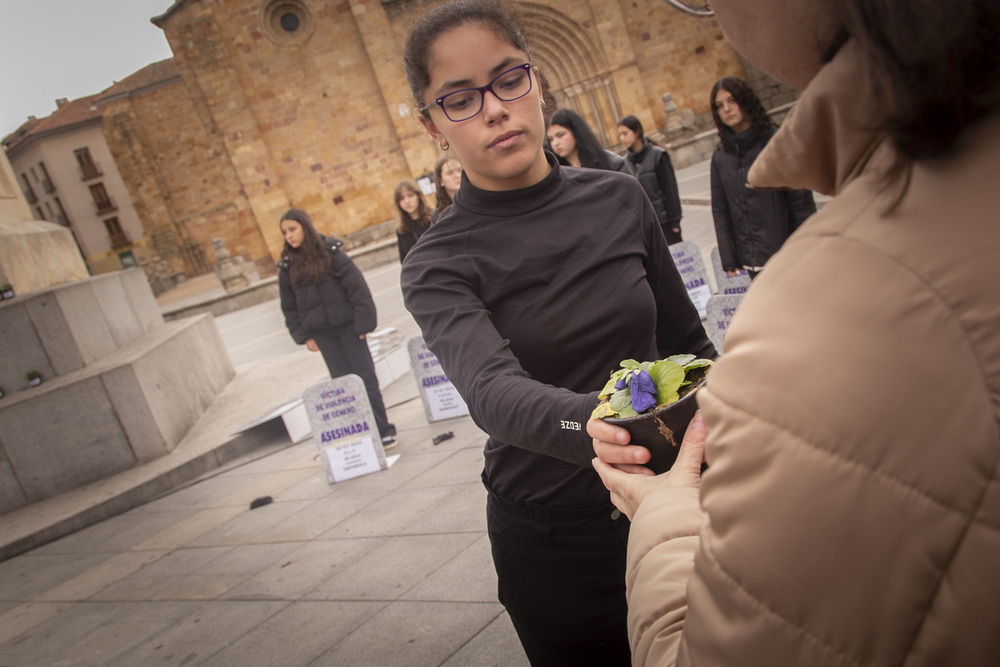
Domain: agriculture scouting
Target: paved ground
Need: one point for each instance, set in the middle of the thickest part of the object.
(387, 569)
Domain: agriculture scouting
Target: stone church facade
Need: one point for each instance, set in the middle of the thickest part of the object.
(269, 104)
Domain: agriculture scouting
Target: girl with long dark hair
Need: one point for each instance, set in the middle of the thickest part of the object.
(329, 308)
(576, 145)
(750, 224)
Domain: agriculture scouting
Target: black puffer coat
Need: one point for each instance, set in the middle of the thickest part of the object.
(652, 167)
(341, 301)
(751, 225)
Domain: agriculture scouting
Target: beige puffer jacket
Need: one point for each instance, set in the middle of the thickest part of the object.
(851, 511)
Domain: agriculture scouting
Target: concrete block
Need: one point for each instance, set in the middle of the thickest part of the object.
(116, 308)
(11, 495)
(181, 377)
(134, 414)
(144, 305)
(63, 438)
(53, 334)
(86, 321)
(22, 351)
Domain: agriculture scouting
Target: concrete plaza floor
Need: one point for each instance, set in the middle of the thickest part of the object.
(388, 569)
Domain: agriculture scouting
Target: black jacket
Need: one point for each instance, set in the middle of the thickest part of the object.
(341, 301)
(751, 225)
(652, 167)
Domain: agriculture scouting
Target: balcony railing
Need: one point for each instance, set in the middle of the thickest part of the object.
(48, 186)
(105, 206)
(92, 170)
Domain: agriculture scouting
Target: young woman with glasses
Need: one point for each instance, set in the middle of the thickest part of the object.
(531, 289)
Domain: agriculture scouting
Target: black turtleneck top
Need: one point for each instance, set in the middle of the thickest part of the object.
(530, 299)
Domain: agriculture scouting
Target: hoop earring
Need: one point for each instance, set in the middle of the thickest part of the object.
(444, 145)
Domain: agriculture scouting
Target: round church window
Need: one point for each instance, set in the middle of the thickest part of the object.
(287, 22)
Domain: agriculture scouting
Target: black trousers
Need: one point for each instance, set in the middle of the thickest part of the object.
(562, 580)
(345, 353)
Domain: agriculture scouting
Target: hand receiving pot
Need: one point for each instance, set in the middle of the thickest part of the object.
(629, 490)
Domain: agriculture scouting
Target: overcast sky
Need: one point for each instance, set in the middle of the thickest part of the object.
(71, 48)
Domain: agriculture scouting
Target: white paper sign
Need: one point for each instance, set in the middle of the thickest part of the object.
(352, 459)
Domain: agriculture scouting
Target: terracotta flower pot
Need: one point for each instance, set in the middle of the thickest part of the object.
(662, 430)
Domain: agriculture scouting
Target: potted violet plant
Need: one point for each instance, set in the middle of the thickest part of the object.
(654, 401)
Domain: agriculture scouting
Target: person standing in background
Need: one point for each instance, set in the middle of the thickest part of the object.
(750, 224)
(651, 165)
(447, 180)
(576, 145)
(329, 308)
(414, 216)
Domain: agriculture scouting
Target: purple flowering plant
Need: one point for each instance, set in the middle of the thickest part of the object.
(637, 388)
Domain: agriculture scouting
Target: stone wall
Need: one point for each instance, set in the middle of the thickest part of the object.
(262, 117)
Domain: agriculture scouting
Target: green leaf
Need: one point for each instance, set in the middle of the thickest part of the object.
(630, 364)
(698, 363)
(681, 359)
(668, 377)
(621, 401)
(609, 388)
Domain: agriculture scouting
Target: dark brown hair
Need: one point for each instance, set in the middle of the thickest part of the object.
(748, 101)
(311, 258)
(588, 147)
(406, 223)
(492, 14)
(933, 66)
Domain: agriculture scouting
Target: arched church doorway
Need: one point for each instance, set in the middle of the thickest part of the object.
(574, 68)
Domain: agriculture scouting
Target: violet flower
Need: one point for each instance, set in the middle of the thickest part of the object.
(641, 388)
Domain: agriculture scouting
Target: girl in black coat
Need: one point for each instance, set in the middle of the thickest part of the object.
(750, 225)
(328, 307)
(651, 165)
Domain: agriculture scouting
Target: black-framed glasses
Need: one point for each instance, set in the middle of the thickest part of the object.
(466, 103)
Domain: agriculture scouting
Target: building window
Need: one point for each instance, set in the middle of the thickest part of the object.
(61, 216)
(47, 184)
(48, 209)
(118, 237)
(287, 22)
(38, 210)
(128, 260)
(29, 192)
(85, 164)
(102, 201)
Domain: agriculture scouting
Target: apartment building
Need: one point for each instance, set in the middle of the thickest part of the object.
(68, 176)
